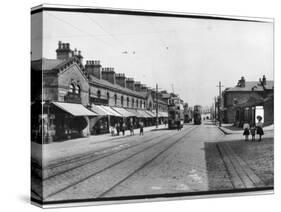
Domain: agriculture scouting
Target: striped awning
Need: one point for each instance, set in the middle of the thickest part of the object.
(151, 114)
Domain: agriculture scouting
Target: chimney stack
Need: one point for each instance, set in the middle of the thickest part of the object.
(263, 80)
(137, 86)
(63, 51)
(143, 88)
(130, 83)
(93, 68)
(241, 83)
(108, 74)
(120, 80)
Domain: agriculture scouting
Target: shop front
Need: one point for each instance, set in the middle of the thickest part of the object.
(63, 121)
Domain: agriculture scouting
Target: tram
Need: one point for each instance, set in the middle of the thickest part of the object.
(197, 114)
(175, 113)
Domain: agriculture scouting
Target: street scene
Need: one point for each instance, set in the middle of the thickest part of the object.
(129, 106)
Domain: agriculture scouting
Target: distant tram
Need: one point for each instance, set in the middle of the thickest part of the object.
(197, 114)
(175, 113)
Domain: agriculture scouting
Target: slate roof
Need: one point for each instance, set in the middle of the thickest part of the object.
(252, 86)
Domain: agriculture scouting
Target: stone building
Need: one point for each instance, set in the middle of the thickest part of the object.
(243, 102)
(79, 100)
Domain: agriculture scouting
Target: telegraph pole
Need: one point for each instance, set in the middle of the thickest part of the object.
(219, 103)
(215, 111)
(156, 105)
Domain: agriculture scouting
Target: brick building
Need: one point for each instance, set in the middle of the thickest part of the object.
(86, 99)
(248, 99)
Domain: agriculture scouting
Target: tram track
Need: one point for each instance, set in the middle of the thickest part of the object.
(76, 162)
(166, 144)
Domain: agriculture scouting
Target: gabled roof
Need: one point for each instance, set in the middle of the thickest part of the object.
(252, 86)
(45, 64)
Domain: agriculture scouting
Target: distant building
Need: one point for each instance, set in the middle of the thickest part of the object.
(243, 102)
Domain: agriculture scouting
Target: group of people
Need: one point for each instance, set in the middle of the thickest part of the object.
(253, 129)
(116, 129)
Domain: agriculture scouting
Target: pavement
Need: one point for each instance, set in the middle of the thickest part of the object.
(225, 129)
(56, 151)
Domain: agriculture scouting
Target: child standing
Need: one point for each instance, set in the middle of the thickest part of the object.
(246, 133)
(253, 132)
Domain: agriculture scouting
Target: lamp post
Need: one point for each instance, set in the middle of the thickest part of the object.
(156, 105)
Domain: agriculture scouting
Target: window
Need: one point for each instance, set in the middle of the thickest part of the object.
(115, 99)
(71, 88)
(77, 90)
(108, 96)
(98, 94)
(140, 104)
(128, 101)
(133, 102)
(122, 100)
(137, 103)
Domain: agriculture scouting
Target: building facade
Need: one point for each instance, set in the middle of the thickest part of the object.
(79, 100)
(243, 102)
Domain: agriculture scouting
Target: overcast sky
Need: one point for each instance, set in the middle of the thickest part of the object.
(191, 54)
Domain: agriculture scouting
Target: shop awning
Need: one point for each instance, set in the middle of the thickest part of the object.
(110, 111)
(134, 111)
(143, 114)
(74, 109)
(99, 110)
(123, 112)
(163, 114)
(151, 114)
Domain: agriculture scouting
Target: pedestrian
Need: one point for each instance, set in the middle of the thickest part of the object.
(118, 128)
(259, 126)
(141, 128)
(123, 128)
(246, 133)
(178, 125)
(253, 132)
(131, 128)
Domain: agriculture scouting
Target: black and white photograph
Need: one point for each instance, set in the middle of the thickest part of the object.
(149, 105)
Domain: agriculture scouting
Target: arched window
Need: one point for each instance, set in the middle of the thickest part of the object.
(122, 100)
(71, 88)
(133, 102)
(115, 99)
(99, 94)
(128, 101)
(77, 89)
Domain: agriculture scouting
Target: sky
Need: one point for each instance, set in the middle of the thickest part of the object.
(187, 55)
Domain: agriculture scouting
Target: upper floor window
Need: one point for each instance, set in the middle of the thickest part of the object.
(107, 95)
(133, 102)
(115, 99)
(128, 101)
(77, 89)
(99, 94)
(122, 100)
(71, 88)
(137, 102)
